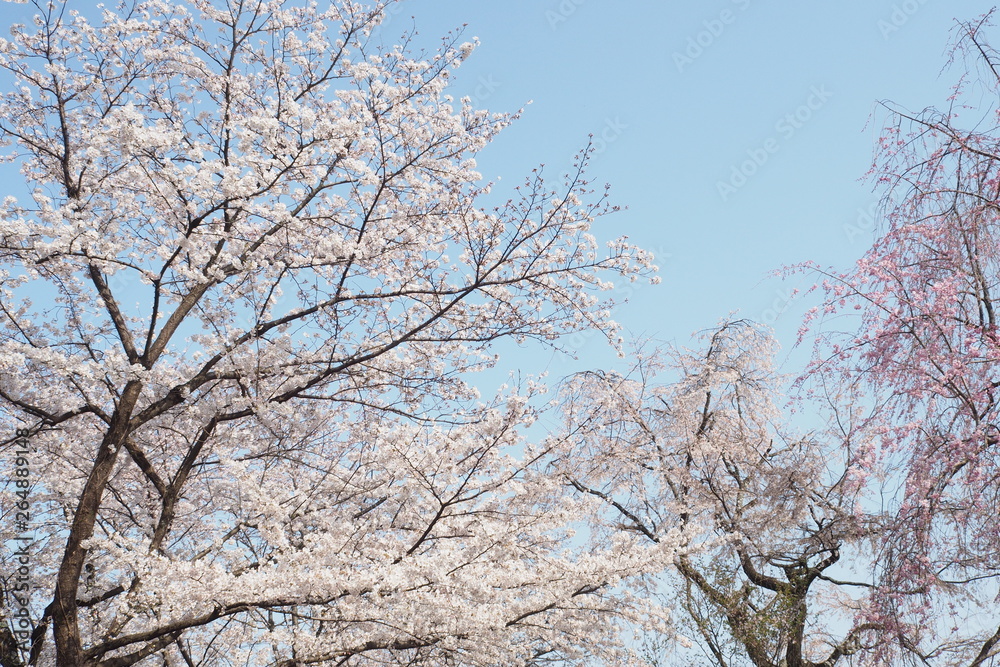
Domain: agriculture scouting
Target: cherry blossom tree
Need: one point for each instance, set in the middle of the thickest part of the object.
(764, 517)
(926, 353)
(240, 303)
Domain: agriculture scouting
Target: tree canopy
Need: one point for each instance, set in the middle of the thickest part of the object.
(243, 300)
(262, 267)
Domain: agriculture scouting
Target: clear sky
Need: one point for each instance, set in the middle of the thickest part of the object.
(683, 93)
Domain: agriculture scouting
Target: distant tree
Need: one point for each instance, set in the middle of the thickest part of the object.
(927, 355)
(762, 516)
(238, 313)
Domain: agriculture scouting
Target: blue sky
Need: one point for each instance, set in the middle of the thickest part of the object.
(686, 92)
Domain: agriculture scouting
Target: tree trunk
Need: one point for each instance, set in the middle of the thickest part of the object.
(65, 622)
